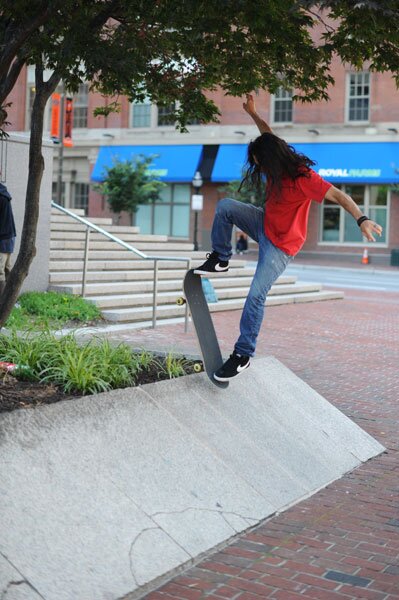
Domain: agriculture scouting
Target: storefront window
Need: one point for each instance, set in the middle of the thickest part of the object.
(379, 208)
(338, 226)
(352, 232)
(81, 196)
(331, 218)
(169, 215)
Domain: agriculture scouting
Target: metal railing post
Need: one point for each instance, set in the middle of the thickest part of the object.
(186, 305)
(154, 299)
(85, 261)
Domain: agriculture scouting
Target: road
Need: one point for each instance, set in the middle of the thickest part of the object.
(384, 281)
(344, 277)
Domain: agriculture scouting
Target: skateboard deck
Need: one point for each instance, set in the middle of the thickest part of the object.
(203, 324)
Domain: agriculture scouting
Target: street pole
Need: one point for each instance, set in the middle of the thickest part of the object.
(61, 148)
(196, 204)
(195, 229)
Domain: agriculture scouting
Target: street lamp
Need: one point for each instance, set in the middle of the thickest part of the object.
(196, 203)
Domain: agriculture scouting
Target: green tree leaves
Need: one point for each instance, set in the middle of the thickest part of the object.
(128, 184)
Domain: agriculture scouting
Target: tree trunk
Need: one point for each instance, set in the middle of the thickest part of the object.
(28, 235)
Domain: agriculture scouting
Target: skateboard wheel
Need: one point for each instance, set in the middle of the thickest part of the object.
(180, 301)
(197, 367)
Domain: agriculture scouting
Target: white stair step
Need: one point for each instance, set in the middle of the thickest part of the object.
(310, 297)
(110, 246)
(168, 311)
(98, 237)
(65, 277)
(77, 211)
(121, 254)
(62, 218)
(169, 297)
(131, 287)
(127, 265)
(72, 226)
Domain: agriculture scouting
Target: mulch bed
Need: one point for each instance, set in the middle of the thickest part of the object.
(26, 394)
(15, 394)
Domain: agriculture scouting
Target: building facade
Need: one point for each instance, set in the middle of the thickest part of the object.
(353, 138)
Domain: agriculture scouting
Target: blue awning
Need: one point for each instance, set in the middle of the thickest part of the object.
(173, 163)
(338, 162)
(229, 162)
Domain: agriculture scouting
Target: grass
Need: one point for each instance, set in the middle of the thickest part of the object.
(51, 309)
(88, 368)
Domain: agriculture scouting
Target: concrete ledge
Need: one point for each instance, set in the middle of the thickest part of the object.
(101, 495)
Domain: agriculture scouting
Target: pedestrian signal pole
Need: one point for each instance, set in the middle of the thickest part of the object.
(61, 132)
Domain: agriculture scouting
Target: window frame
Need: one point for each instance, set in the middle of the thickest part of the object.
(348, 97)
(273, 109)
(152, 116)
(73, 199)
(366, 205)
(81, 106)
(170, 204)
(168, 126)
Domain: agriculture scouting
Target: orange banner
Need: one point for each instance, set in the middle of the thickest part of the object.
(68, 122)
(55, 116)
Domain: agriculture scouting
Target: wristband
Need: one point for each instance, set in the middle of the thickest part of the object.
(362, 219)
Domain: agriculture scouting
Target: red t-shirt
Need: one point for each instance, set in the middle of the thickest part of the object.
(287, 210)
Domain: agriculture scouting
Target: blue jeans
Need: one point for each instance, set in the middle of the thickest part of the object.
(271, 263)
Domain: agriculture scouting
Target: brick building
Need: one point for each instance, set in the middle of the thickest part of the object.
(354, 139)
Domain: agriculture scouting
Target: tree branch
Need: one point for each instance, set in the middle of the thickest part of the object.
(11, 78)
(20, 36)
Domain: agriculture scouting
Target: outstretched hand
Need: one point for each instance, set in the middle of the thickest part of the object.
(368, 228)
(249, 105)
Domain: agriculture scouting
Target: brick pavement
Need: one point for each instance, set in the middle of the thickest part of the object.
(343, 542)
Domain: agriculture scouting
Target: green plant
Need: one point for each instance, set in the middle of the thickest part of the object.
(128, 184)
(173, 366)
(59, 307)
(92, 367)
(145, 359)
(86, 368)
(18, 319)
(45, 309)
(34, 352)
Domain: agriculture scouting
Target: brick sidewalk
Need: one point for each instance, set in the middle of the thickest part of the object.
(343, 542)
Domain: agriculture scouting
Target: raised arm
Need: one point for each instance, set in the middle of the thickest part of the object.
(249, 107)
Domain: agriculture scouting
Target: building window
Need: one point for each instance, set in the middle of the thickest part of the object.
(166, 115)
(359, 97)
(55, 192)
(282, 106)
(80, 105)
(81, 196)
(339, 227)
(141, 114)
(169, 215)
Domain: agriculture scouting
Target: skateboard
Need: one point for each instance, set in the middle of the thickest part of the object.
(210, 350)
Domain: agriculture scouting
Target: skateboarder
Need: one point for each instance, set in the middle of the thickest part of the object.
(279, 228)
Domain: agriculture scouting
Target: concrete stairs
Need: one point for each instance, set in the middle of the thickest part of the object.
(120, 283)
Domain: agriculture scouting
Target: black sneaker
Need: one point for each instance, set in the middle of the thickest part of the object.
(212, 265)
(234, 366)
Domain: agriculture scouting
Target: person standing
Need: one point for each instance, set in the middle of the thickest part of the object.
(7, 235)
(280, 228)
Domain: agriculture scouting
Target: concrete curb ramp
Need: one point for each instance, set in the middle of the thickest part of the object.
(101, 495)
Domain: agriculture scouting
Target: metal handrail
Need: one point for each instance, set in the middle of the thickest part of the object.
(117, 240)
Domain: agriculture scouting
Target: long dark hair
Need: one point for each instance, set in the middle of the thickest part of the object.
(275, 159)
